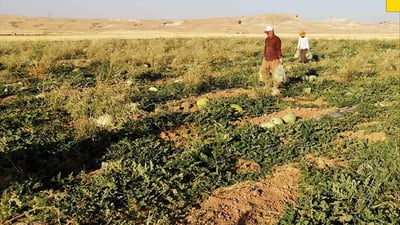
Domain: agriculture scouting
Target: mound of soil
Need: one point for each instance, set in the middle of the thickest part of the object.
(324, 163)
(250, 202)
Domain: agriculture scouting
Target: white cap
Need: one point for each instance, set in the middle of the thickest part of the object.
(268, 28)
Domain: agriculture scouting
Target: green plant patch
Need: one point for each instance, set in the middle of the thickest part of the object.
(148, 97)
(59, 166)
(359, 194)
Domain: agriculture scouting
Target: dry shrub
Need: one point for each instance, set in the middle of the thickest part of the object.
(87, 105)
(197, 78)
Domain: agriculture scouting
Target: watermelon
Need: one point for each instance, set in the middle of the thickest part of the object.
(289, 118)
(277, 120)
(202, 102)
(237, 108)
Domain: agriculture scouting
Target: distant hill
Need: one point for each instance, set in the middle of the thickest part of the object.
(285, 25)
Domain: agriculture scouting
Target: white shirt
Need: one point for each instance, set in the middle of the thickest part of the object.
(303, 43)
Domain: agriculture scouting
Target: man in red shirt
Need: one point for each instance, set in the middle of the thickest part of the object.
(272, 62)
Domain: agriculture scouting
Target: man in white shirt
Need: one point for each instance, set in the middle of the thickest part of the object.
(303, 46)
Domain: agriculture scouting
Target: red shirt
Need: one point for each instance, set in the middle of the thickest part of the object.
(272, 48)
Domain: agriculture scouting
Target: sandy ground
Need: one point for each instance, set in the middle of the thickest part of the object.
(43, 28)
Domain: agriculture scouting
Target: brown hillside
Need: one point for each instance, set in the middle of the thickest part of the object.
(285, 25)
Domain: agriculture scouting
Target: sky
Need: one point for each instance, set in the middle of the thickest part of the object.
(313, 10)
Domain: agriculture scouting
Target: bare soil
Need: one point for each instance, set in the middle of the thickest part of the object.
(250, 202)
(324, 163)
(307, 100)
(246, 166)
(301, 113)
(180, 136)
(362, 134)
(189, 104)
(286, 25)
(256, 202)
(8, 98)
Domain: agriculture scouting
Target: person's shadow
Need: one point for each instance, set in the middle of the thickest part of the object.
(43, 163)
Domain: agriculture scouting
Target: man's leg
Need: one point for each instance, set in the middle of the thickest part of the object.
(303, 53)
(264, 73)
(276, 83)
(274, 68)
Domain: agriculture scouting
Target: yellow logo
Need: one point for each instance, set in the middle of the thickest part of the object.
(392, 5)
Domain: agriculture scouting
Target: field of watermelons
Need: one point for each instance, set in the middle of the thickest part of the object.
(180, 131)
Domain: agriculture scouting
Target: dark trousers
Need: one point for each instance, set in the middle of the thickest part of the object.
(303, 57)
